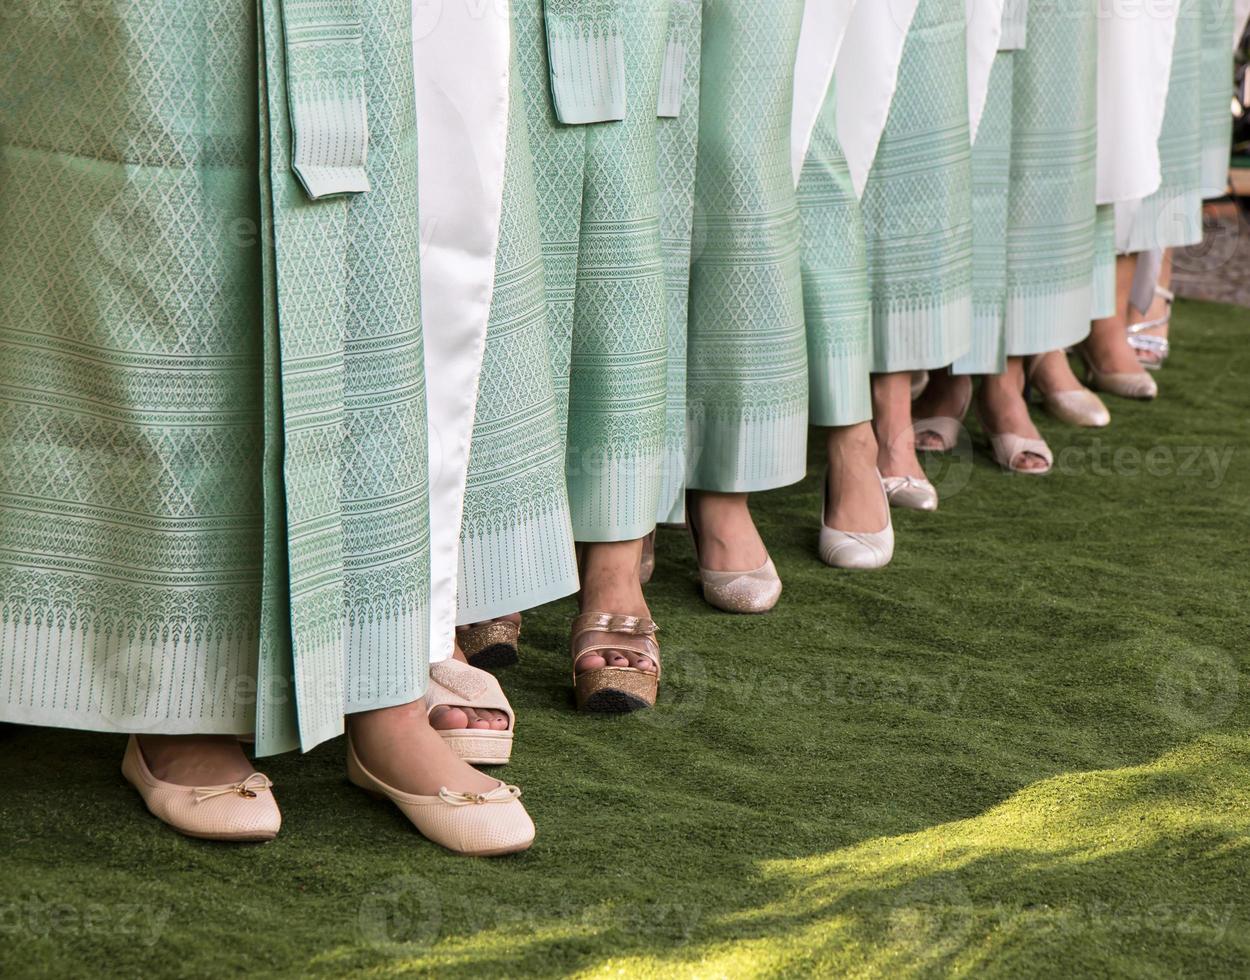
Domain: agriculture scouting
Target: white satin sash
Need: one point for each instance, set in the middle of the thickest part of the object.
(462, 63)
(985, 31)
(825, 23)
(867, 76)
(1135, 42)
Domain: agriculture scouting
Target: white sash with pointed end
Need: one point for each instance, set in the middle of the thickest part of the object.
(867, 75)
(825, 23)
(985, 30)
(462, 63)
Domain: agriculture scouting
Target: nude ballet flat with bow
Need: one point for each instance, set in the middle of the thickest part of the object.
(242, 811)
(911, 492)
(857, 551)
(614, 690)
(487, 824)
(457, 685)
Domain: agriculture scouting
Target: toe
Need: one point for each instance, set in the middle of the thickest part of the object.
(448, 718)
(642, 662)
(592, 661)
(616, 658)
(476, 720)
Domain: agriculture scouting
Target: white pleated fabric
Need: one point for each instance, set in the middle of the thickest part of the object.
(1135, 43)
(825, 23)
(985, 32)
(867, 75)
(462, 63)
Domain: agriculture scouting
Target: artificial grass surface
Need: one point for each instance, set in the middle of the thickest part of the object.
(1024, 749)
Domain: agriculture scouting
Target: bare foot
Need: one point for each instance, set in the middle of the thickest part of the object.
(610, 585)
(892, 423)
(946, 396)
(853, 500)
(399, 746)
(196, 760)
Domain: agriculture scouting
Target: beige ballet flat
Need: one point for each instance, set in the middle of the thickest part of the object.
(492, 645)
(614, 690)
(472, 824)
(945, 427)
(242, 811)
(455, 684)
(857, 551)
(911, 492)
(1138, 385)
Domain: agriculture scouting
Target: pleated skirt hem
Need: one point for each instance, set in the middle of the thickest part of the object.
(1048, 319)
(920, 337)
(537, 552)
(840, 388)
(748, 455)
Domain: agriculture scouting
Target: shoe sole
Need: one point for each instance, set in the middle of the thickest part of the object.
(495, 657)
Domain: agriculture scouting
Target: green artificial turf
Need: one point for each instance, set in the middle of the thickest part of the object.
(1023, 749)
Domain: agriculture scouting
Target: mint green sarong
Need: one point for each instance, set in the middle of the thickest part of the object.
(1053, 218)
(212, 414)
(598, 195)
(747, 383)
(1172, 216)
(1218, 25)
(516, 541)
(837, 304)
(678, 139)
(918, 202)
(991, 195)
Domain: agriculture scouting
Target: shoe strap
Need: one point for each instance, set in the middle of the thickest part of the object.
(1008, 446)
(459, 685)
(639, 632)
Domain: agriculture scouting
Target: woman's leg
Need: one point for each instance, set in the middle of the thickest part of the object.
(728, 540)
(1157, 309)
(1003, 410)
(1112, 363)
(853, 500)
(892, 422)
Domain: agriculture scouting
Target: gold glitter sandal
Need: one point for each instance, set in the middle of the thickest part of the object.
(489, 646)
(614, 690)
(457, 685)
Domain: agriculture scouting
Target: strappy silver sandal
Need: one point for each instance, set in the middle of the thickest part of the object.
(1147, 343)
